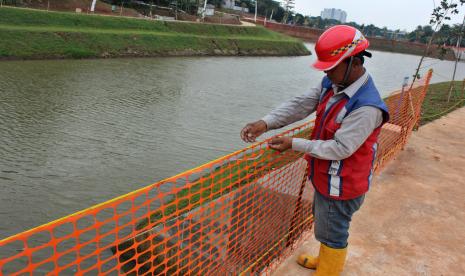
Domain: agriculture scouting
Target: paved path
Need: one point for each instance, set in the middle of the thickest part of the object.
(413, 218)
(247, 24)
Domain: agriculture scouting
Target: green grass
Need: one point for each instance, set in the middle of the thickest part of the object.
(32, 34)
(29, 17)
(436, 105)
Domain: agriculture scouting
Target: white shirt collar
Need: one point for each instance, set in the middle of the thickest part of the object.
(354, 87)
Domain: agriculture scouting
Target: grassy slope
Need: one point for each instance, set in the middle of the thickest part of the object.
(36, 34)
(436, 105)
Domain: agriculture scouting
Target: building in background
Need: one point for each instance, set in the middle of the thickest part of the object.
(231, 4)
(336, 14)
(228, 4)
(209, 10)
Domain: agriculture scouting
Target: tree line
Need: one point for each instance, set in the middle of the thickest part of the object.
(283, 12)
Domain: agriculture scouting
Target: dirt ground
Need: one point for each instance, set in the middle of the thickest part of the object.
(413, 218)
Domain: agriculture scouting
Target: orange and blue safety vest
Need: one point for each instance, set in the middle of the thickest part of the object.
(351, 177)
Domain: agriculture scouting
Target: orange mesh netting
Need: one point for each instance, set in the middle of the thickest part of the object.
(240, 214)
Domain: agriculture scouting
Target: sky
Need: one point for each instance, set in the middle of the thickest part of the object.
(393, 14)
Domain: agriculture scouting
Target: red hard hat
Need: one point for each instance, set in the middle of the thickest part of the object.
(336, 44)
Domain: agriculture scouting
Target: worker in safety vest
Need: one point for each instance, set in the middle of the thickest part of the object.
(342, 147)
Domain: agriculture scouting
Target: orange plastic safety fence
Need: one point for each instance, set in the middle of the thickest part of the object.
(240, 214)
(405, 110)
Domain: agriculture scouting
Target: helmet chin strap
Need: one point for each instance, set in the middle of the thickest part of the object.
(344, 83)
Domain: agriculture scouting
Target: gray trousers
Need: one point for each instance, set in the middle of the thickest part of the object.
(332, 219)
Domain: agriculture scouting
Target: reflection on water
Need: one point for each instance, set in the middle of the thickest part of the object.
(76, 133)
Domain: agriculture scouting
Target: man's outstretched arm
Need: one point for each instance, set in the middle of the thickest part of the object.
(287, 113)
(354, 131)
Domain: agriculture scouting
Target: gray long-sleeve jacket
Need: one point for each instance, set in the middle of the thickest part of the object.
(354, 130)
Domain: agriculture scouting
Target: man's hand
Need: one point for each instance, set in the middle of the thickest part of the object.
(280, 143)
(252, 130)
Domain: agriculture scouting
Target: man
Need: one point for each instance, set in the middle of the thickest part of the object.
(342, 148)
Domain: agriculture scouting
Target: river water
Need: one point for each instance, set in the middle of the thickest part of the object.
(75, 133)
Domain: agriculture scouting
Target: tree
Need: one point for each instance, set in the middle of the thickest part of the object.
(385, 31)
(288, 7)
(459, 53)
(299, 19)
(439, 15)
(216, 3)
(243, 6)
(266, 7)
(307, 21)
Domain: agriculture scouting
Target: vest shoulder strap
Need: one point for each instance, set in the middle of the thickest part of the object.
(367, 95)
(326, 85)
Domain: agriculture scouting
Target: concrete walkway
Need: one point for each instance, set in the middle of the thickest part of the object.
(247, 24)
(413, 218)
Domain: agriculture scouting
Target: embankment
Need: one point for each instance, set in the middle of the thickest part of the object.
(381, 44)
(32, 34)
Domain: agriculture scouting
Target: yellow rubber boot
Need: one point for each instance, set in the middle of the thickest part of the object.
(308, 261)
(331, 261)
